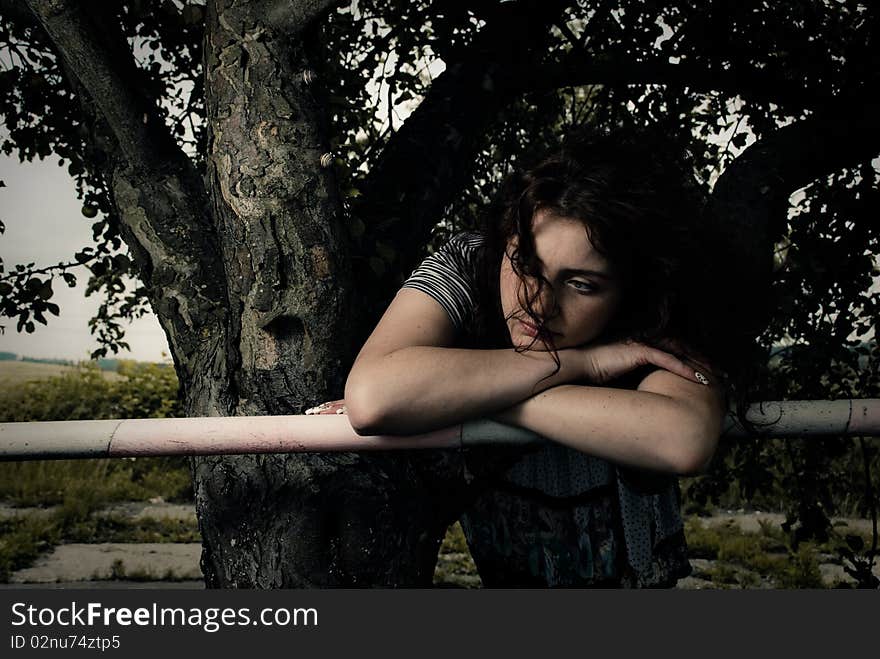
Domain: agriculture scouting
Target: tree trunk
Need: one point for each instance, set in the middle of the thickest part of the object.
(294, 520)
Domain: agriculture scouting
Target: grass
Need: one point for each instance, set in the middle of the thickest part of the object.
(79, 488)
(455, 567)
(763, 559)
(118, 572)
(750, 559)
(23, 539)
(50, 482)
(118, 528)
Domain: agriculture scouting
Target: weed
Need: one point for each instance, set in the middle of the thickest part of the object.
(118, 572)
(802, 571)
(454, 540)
(22, 540)
(51, 482)
(744, 557)
(455, 567)
(118, 528)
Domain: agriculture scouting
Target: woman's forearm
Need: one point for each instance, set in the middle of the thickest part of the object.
(634, 428)
(421, 388)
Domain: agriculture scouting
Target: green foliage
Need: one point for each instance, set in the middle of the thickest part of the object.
(53, 482)
(119, 572)
(455, 568)
(119, 528)
(145, 390)
(22, 540)
(748, 559)
(802, 571)
(42, 117)
(79, 487)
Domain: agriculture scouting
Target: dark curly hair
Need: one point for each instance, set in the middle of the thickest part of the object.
(644, 212)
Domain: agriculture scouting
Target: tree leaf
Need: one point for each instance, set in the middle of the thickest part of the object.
(45, 291)
(855, 542)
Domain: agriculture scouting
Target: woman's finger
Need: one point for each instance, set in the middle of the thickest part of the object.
(330, 407)
(686, 354)
(673, 364)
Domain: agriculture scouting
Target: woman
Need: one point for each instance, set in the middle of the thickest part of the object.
(575, 313)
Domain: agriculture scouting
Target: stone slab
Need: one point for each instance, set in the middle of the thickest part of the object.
(155, 561)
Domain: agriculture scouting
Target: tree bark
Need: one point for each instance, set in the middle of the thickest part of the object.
(249, 275)
(295, 520)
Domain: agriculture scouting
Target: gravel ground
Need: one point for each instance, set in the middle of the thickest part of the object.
(176, 565)
(154, 561)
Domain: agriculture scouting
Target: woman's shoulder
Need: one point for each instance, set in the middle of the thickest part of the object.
(467, 240)
(449, 276)
(466, 245)
(459, 254)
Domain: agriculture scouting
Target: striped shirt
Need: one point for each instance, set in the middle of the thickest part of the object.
(649, 503)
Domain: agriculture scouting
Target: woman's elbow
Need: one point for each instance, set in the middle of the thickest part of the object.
(365, 413)
(693, 464)
(694, 457)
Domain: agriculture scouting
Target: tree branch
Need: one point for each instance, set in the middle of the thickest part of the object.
(293, 17)
(799, 153)
(423, 165)
(159, 195)
(578, 68)
(110, 76)
(17, 12)
(750, 199)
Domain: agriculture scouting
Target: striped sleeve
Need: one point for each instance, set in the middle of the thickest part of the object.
(449, 277)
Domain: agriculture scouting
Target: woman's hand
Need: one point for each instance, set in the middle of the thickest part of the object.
(603, 363)
(330, 407)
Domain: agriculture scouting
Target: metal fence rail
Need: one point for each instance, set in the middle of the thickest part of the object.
(312, 434)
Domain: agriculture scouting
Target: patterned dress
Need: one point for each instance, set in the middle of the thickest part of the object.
(553, 516)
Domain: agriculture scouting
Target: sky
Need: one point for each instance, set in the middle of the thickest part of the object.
(44, 225)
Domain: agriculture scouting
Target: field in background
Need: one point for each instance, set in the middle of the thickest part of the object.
(16, 373)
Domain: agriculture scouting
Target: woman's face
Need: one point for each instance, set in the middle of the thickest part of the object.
(584, 286)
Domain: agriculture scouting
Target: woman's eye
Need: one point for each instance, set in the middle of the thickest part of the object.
(581, 286)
